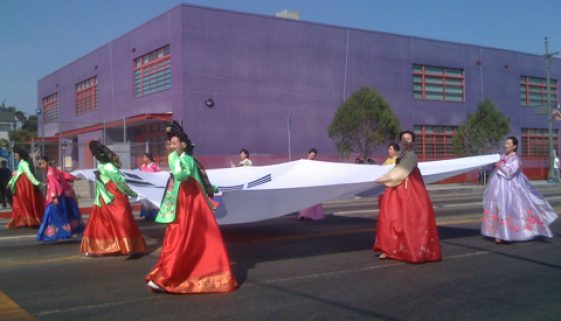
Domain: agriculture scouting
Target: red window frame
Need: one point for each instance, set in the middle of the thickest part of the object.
(443, 76)
(535, 142)
(439, 139)
(526, 88)
(50, 107)
(86, 96)
(88, 157)
(152, 72)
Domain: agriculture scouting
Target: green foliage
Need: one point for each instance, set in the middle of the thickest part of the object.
(20, 115)
(30, 124)
(362, 123)
(22, 136)
(4, 144)
(28, 128)
(483, 130)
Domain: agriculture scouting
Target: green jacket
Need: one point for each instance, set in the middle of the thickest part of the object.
(23, 168)
(182, 168)
(109, 172)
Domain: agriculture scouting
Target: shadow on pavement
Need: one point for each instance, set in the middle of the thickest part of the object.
(308, 296)
(286, 238)
(498, 250)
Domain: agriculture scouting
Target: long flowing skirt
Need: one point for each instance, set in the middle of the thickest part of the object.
(28, 205)
(406, 228)
(111, 228)
(193, 257)
(60, 221)
(148, 213)
(56, 225)
(312, 213)
(72, 211)
(514, 210)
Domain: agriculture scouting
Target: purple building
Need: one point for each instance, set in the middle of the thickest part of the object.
(242, 80)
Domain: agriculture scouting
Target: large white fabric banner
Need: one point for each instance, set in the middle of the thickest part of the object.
(251, 194)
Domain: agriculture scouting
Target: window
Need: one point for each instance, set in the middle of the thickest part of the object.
(86, 96)
(533, 92)
(434, 142)
(152, 72)
(438, 83)
(50, 110)
(535, 142)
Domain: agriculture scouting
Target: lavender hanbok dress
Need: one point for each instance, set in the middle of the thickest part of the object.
(314, 213)
(513, 209)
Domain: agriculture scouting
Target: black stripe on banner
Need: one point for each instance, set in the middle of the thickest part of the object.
(260, 181)
(132, 175)
(230, 188)
(141, 183)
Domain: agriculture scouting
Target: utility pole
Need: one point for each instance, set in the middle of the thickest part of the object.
(289, 129)
(14, 143)
(551, 176)
(39, 112)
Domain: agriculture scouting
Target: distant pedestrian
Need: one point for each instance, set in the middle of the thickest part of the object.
(244, 159)
(315, 212)
(5, 175)
(146, 211)
(556, 166)
(148, 164)
(312, 154)
(393, 150)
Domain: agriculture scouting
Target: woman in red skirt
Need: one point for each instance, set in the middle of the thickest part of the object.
(111, 228)
(406, 228)
(193, 257)
(28, 202)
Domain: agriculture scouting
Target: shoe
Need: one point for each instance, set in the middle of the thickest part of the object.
(154, 287)
(382, 256)
(498, 241)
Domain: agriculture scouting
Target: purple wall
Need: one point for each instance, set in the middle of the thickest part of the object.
(113, 65)
(259, 70)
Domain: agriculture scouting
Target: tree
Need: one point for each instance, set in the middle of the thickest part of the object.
(28, 128)
(20, 115)
(22, 136)
(4, 144)
(362, 123)
(483, 130)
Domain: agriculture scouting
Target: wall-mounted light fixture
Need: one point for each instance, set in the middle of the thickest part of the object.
(209, 102)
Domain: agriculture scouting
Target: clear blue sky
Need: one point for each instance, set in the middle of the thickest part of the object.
(39, 36)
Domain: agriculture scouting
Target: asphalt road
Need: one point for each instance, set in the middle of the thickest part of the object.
(290, 270)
